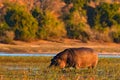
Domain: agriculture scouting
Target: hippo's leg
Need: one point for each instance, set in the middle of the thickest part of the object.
(77, 66)
(93, 65)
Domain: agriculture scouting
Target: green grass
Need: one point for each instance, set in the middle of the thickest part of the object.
(35, 68)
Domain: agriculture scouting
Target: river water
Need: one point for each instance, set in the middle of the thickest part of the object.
(52, 54)
(26, 54)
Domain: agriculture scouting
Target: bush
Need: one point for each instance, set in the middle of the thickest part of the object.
(115, 33)
(52, 27)
(116, 37)
(7, 37)
(77, 3)
(21, 22)
(102, 35)
(117, 18)
(49, 26)
(104, 18)
(76, 27)
(105, 15)
(77, 32)
(3, 26)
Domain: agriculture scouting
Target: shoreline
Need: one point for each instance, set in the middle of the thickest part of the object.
(55, 47)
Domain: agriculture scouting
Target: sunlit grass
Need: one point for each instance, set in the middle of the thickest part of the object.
(36, 68)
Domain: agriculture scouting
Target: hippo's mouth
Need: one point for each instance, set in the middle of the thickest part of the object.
(53, 64)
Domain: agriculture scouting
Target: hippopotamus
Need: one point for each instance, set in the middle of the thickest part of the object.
(75, 57)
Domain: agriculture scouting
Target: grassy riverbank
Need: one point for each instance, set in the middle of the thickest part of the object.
(43, 46)
(35, 68)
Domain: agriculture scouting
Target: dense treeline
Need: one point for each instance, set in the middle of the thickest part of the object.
(56, 19)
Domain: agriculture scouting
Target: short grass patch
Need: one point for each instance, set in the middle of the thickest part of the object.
(36, 68)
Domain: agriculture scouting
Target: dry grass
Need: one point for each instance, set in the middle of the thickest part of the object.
(57, 46)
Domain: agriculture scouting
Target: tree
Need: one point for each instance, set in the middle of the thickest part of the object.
(76, 28)
(21, 22)
(49, 26)
(106, 13)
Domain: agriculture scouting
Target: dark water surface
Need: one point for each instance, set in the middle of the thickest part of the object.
(52, 54)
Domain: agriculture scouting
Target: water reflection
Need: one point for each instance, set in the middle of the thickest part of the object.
(52, 54)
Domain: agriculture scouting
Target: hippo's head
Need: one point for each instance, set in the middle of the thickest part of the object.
(55, 62)
(59, 60)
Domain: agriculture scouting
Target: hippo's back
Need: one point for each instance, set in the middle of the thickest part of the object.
(82, 51)
(84, 56)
